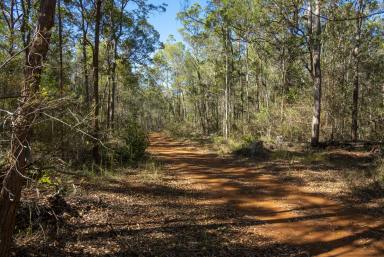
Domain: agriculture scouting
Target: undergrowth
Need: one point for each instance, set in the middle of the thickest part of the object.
(151, 170)
(225, 146)
(371, 182)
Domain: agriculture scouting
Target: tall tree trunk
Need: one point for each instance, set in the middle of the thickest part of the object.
(96, 100)
(60, 24)
(23, 119)
(247, 79)
(356, 79)
(108, 114)
(26, 32)
(114, 83)
(85, 70)
(116, 37)
(111, 62)
(61, 71)
(84, 53)
(226, 90)
(317, 77)
(25, 29)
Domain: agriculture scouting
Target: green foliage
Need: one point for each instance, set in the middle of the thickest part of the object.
(262, 56)
(46, 180)
(248, 139)
(226, 146)
(129, 146)
(185, 130)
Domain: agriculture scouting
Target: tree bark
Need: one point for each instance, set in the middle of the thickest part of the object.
(23, 119)
(61, 71)
(356, 79)
(26, 32)
(96, 103)
(116, 38)
(114, 83)
(227, 87)
(60, 24)
(247, 80)
(84, 53)
(317, 77)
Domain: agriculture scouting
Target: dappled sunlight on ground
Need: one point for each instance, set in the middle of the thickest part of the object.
(283, 212)
(200, 204)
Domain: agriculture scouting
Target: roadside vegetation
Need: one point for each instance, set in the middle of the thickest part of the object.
(113, 143)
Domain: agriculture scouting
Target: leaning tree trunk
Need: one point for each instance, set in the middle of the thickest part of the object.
(317, 79)
(23, 119)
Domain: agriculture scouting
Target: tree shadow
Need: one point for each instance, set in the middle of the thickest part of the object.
(218, 207)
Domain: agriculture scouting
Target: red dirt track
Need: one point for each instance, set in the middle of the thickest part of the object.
(265, 205)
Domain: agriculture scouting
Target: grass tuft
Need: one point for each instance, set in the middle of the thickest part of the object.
(151, 170)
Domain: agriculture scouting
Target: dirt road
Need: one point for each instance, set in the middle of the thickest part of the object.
(201, 205)
(283, 217)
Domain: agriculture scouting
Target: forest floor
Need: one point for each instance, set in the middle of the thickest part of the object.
(201, 204)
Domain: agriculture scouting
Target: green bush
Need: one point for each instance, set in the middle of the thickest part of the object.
(128, 146)
(226, 146)
(181, 129)
(248, 139)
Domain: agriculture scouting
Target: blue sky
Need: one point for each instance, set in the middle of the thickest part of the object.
(166, 23)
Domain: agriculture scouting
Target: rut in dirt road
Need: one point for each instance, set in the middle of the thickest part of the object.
(265, 205)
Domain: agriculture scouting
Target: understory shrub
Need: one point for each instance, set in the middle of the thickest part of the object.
(368, 184)
(181, 129)
(225, 146)
(128, 146)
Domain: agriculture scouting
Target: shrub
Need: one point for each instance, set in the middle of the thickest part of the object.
(225, 146)
(128, 146)
(181, 129)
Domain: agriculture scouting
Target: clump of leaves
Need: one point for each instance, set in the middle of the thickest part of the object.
(46, 180)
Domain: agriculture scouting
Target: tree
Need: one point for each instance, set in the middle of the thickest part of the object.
(356, 55)
(95, 66)
(23, 119)
(316, 68)
(60, 25)
(84, 43)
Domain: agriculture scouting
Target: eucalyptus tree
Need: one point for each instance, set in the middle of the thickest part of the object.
(22, 121)
(315, 30)
(95, 66)
(271, 57)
